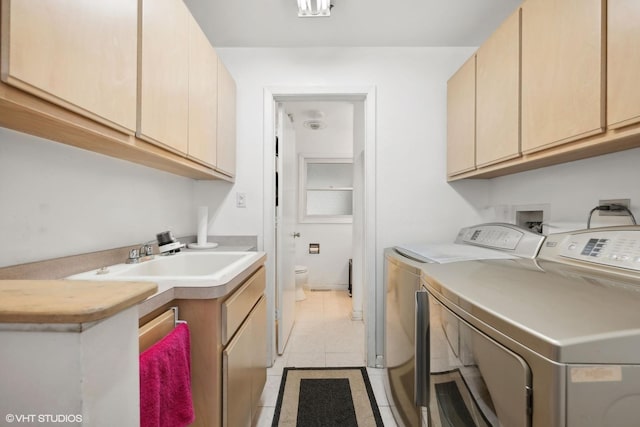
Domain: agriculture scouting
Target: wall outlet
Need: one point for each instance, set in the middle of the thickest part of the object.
(241, 200)
(624, 202)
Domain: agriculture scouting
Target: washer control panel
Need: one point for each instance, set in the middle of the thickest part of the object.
(614, 248)
(503, 237)
(491, 236)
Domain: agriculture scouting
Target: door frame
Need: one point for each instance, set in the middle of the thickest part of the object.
(371, 294)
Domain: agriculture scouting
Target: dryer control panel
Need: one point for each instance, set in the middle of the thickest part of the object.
(611, 246)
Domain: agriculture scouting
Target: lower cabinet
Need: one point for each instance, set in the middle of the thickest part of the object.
(244, 369)
(228, 351)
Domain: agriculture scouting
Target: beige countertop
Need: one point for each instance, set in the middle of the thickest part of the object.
(83, 301)
(68, 301)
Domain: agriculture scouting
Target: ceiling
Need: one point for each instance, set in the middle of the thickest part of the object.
(275, 23)
(335, 115)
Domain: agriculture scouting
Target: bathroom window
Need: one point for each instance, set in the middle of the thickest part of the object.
(326, 190)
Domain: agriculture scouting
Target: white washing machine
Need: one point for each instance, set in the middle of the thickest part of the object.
(550, 342)
(403, 267)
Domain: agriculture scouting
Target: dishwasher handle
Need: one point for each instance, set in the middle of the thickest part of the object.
(422, 357)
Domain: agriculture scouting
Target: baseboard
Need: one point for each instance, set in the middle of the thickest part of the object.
(356, 315)
(328, 287)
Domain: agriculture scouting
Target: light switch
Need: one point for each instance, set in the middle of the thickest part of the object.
(241, 200)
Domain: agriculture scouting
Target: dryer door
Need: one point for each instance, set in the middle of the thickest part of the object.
(474, 381)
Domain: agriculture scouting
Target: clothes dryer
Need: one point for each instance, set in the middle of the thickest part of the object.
(403, 267)
(549, 342)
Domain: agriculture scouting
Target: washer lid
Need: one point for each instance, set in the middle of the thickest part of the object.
(482, 241)
(443, 253)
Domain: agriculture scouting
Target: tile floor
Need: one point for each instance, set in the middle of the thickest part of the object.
(323, 335)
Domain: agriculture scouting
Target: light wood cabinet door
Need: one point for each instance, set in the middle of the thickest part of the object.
(237, 361)
(562, 72)
(79, 54)
(163, 117)
(236, 307)
(259, 364)
(226, 161)
(461, 119)
(498, 95)
(203, 96)
(244, 372)
(623, 63)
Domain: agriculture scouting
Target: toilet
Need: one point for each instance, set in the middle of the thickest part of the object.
(302, 276)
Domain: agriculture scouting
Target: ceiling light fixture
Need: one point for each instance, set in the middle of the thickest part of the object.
(315, 124)
(314, 8)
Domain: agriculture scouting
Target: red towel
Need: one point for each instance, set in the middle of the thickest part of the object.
(165, 381)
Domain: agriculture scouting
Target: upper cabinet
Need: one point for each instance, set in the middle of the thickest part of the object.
(164, 74)
(203, 97)
(562, 72)
(623, 63)
(133, 79)
(81, 55)
(187, 96)
(498, 95)
(461, 121)
(553, 84)
(226, 121)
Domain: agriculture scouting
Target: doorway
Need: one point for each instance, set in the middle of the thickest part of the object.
(365, 296)
(314, 204)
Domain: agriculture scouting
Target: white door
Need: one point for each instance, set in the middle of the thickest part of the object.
(285, 228)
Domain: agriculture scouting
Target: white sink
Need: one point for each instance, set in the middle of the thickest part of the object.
(184, 264)
(181, 269)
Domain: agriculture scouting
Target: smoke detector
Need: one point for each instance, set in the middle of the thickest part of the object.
(315, 124)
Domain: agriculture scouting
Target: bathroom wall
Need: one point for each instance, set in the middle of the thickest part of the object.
(57, 200)
(329, 268)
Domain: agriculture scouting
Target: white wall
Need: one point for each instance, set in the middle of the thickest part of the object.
(573, 189)
(329, 268)
(58, 200)
(414, 201)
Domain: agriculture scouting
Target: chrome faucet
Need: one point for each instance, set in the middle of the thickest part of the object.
(144, 253)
